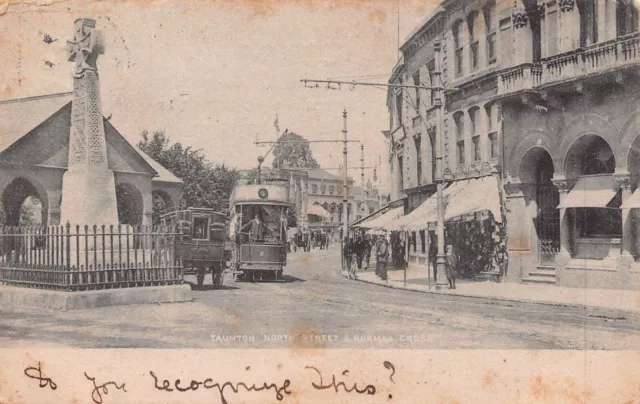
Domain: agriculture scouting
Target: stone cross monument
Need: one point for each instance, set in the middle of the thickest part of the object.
(88, 186)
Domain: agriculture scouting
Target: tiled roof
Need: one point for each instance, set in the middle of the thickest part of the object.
(19, 117)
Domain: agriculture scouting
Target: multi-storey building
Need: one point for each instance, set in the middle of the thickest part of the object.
(542, 95)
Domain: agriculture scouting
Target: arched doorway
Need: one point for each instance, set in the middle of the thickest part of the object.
(23, 205)
(130, 207)
(537, 171)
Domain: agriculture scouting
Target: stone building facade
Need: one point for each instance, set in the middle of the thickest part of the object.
(542, 95)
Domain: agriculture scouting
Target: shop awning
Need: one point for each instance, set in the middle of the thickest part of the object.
(633, 202)
(318, 211)
(460, 198)
(380, 221)
(594, 191)
(476, 195)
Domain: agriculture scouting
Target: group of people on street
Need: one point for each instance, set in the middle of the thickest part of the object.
(357, 253)
(307, 240)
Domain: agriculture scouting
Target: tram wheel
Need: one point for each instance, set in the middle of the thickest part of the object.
(279, 274)
(248, 276)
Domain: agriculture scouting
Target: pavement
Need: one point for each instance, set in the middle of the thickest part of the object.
(417, 280)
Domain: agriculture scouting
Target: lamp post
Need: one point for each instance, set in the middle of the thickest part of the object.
(441, 281)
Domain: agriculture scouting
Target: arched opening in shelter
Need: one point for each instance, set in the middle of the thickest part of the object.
(536, 170)
(23, 204)
(130, 206)
(161, 203)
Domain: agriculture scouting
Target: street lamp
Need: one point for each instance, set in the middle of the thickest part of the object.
(441, 262)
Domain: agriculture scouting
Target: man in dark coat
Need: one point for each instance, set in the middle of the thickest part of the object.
(433, 254)
(382, 254)
(359, 250)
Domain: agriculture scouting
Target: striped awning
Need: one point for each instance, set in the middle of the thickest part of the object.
(382, 220)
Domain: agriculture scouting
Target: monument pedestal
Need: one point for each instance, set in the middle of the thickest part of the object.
(89, 197)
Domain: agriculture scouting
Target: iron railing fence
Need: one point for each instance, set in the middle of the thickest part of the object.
(74, 258)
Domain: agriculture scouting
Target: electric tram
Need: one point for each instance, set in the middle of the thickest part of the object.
(258, 229)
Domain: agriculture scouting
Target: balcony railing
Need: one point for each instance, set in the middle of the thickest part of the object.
(523, 77)
(594, 59)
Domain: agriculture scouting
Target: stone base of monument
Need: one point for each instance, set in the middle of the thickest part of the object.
(11, 296)
(88, 196)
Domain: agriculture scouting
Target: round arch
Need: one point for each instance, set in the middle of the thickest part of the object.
(531, 138)
(160, 194)
(536, 165)
(130, 205)
(589, 154)
(15, 194)
(630, 132)
(592, 125)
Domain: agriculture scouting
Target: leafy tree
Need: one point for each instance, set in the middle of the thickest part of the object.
(293, 151)
(206, 185)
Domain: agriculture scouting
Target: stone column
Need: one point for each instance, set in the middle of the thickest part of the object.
(522, 37)
(568, 26)
(483, 130)
(628, 239)
(566, 247)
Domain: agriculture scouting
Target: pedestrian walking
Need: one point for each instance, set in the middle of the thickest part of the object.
(452, 263)
(382, 254)
(433, 254)
(359, 250)
(367, 251)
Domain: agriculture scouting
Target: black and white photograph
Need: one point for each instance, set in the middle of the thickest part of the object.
(320, 201)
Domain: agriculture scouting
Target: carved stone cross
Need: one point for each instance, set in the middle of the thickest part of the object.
(85, 47)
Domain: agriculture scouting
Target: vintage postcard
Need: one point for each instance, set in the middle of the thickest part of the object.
(319, 201)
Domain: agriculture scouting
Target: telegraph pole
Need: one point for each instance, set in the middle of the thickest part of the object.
(364, 202)
(345, 186)
(438, 103)
(439, 267)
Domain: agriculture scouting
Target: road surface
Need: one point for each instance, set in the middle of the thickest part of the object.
(317, 308)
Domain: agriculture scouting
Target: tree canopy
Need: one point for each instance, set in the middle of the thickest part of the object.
(206, 185)
(293, 151)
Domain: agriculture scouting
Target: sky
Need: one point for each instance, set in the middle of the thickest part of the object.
(214, 74)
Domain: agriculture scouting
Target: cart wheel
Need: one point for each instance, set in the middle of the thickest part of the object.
(218, 279)
(200, 276)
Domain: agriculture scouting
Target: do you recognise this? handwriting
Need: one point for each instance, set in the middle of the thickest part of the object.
(36, 373)
(165, 385)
